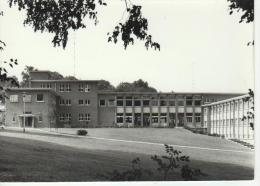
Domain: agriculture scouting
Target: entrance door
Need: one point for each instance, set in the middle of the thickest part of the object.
(146, 120)
(137, 120)
(28, 121)
(180, 119)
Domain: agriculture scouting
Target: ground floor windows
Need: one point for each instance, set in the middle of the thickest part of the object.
(65, 117)
(120, 118)
(189, 117)
(197, 117)
(129, 118)
(84, 117)
(163, 118)
(155, 118)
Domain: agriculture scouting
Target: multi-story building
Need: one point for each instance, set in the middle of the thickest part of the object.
(80, 103)
(226, 117)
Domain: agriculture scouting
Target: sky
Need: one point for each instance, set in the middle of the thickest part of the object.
(203, 48)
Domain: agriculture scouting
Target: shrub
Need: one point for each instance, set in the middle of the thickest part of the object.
(82, 132)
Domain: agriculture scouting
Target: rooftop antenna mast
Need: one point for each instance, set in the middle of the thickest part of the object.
(74, 54)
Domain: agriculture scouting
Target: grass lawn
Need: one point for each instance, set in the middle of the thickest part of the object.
(53, 158)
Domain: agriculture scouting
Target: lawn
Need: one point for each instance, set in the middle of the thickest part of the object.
(34, 157)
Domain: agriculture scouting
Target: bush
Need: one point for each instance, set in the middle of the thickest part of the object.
(82, 132)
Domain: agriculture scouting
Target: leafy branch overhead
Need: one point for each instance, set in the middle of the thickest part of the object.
(136, 25)
(60, 16)
(247, 8)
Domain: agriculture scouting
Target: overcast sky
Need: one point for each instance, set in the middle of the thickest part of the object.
(203, 48)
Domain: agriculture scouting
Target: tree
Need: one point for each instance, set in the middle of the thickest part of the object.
(105, 86)
(70, 78)
(26, 75)
(247, 8)
(55, 75)
(250, 114)
(60, 16)
(136, 86)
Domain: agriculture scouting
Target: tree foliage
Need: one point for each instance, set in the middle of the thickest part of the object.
(60, 16)
(170, 164)
(136, 25)
(104, 85)
(250, 115)
(245, 6)
(136, 86)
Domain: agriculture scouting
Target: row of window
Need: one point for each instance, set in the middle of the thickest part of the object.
(66, 117)
(26, 98)
(121, 102)
(81, 88)
(155, 117)
(81, 102)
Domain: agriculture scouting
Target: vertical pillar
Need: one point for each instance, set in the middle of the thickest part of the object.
(185, 111)
(142, 111)
(193, 112)
(176, 110)
(124, 109)
(159, 110)
(150, 106)
(168, 113)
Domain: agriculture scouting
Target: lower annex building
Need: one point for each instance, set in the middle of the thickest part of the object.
(79, 103)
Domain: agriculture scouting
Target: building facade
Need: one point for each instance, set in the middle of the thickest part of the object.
(225, 118)
(80, 103)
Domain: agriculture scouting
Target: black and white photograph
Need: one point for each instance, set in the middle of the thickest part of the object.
(128, 91)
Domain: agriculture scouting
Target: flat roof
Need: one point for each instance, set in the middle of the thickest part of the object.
(64, 80)
(226, 100)
(32, 89)
(169, 93)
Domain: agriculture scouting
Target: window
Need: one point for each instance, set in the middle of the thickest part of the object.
(119, 118)
(102, 102)
(42, 85)
(180, 103)
(146, 102)
(87, 117)
(65, 87)
(111, 102)
(81, 87)
(62, 87)
(128, 103)
(39, 98)
(137, 103)
(189, 100)
(163, 103)
(81, 102)
(68, 117)
(68, 88)
(81, 117)
(163, 118)
(171, 102)
(197, 102)
(48, 85)
(68, 102)
(13, 98)
(154, 102)
(87, 102)
(40, 118)
(87, 88)
(62, 102)
(119, 103)
(27, 98)
(189, 117)
(155, 118)
(197, 117)
(62, 117)
(128, 118)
